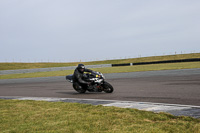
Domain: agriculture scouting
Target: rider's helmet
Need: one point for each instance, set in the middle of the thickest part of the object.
(81, 68)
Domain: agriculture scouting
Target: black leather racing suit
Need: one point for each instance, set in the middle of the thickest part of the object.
(78, 77)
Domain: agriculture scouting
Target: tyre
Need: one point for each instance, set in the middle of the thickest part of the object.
(78, 88)
(107, 87)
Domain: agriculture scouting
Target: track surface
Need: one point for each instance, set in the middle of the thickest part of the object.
(170, 86)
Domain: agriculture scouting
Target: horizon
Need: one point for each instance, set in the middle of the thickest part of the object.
(105, 59)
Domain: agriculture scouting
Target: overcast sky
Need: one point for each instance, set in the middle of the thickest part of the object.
(74, 30)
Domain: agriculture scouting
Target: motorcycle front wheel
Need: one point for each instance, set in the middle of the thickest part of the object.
(107, 87)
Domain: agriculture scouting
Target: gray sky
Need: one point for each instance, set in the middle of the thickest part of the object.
(74, 30)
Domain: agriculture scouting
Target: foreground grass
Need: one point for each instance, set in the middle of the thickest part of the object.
(39, 116)
(14, 66)
(153, 67)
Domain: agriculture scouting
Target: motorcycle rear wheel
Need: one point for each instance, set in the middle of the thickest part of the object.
(78, 89)
(107, 87)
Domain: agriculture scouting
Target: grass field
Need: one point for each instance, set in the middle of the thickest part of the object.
(153, 67)
(39, 116)
(14, 66)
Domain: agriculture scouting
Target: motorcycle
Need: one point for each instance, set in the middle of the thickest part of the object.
(98, 83)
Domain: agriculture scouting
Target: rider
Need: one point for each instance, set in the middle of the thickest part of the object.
(78, 78)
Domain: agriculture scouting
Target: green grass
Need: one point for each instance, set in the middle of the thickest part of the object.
(39, 116)
(14, 66)
(153, 67)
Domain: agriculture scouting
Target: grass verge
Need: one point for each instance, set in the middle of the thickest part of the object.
(153, 67)
(39, 116)
(14, 66)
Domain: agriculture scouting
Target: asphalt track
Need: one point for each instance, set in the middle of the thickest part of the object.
(169, 86)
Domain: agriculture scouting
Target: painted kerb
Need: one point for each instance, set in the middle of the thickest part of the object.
(157, 62)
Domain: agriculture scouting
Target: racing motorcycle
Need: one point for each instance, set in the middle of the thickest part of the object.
(98, 83)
